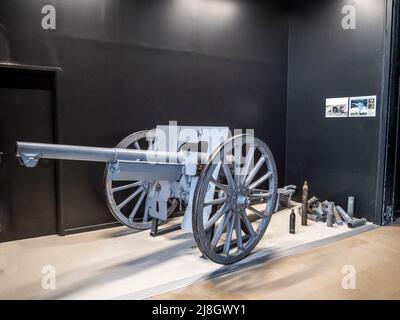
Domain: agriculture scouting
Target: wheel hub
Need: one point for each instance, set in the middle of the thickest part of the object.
(239, 201)
(146, 185)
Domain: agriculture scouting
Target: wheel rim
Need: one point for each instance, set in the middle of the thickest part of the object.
(228, 224)
(127, 200)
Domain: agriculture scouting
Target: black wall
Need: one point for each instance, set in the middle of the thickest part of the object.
(338, 157)
(129, 65)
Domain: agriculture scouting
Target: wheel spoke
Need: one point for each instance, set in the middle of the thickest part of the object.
(220, 229)
(216, 217)
(127, 198)
(228, 175)
(254, 170)
(215, 201)
(133, 195)
(137, 205)
(136, 145)
(247, 223)
(127, 186)
(238, 231)
(229, 221)
(256, 212)
(248, 162)
(260, 195)
(220, 185)
(229, 233)
(265, 177)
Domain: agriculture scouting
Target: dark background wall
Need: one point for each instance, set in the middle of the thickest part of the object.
(129, 65)
(338, 157)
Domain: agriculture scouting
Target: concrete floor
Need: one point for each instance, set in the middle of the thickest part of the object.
(119, 263)
(314, 274)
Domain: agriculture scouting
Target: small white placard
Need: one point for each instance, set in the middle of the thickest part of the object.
(337, 107)
(362, 106)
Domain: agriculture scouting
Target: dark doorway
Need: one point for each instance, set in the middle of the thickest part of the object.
(28, 203)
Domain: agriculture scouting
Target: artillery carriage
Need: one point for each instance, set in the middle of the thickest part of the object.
(226, 185)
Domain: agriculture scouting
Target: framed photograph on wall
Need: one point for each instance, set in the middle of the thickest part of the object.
(363, 106)
(336, 107)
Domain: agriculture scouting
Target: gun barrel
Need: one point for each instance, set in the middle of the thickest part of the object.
(29, 153)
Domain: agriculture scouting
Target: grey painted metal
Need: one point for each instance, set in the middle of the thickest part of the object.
(350, 206)
(314, 217)
(285, 196)
(305, 204)
(123, 163)
(355, 223)
(130, 218)
(330, 216)
(292, 222)
(315, 206)
(351, 222)
(338, 218)
(129, 170)
(152, 178)
(135, 211)
(344, 214)
(312, 200)
(30, 152)
(234, 226)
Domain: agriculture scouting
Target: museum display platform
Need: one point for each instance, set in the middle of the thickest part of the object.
(120, 263)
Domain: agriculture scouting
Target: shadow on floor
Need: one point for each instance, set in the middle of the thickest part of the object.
(92, 276)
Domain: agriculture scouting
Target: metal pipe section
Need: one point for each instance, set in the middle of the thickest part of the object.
(338, 218)
(350, 206)
(351, 222)
(330, 215)
(354, 223)
(344, 214)
(29, 153)
(305, 204)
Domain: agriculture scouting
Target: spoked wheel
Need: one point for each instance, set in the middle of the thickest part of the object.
(127, 200)
(234, 200)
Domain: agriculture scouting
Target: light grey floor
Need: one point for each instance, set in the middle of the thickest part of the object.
(121, 264)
